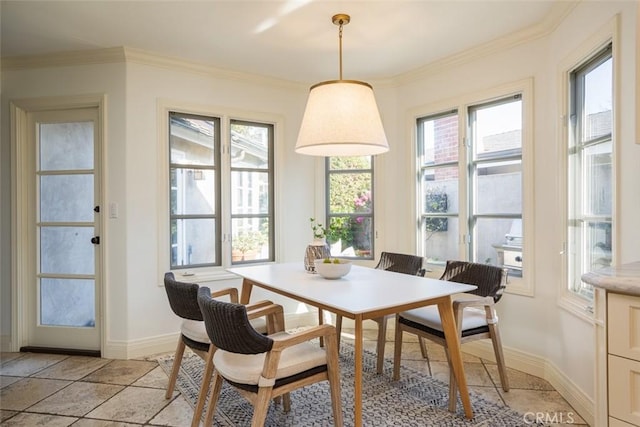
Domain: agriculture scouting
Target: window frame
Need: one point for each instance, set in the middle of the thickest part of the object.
(516, 285)
(593, 49)
(226, 115)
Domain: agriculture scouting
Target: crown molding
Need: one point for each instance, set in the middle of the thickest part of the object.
(558, 13)
(65, 59)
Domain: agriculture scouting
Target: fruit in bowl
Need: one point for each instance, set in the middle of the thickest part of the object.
(332, 268)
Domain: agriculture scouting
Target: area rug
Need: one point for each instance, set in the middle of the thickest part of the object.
(415, 400)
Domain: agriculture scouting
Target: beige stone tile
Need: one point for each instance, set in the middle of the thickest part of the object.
(488, 393)
(123, 372)
(6, 414)
(133, 405)
(177, 414)
(549, 405)
(157, 378)
(5, 356)
(72, 368)
(475, 373)
(77, 399)
(26, 419)
(5, 381)
(26, 392)
(519, 379)
(87, 422)
(29, 364)
(421, 366)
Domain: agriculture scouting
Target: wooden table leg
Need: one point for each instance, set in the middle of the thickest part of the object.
(357, 387)
(245, 295)
(445, 308)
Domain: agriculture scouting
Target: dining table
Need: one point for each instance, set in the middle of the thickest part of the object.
(364, 293)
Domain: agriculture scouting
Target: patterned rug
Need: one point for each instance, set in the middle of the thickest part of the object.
(416, 400)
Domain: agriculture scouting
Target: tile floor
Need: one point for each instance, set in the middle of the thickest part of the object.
(54, 390)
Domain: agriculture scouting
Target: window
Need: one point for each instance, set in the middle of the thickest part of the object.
(471, 189)
(198, 216)
(589, 170)
(350, 206)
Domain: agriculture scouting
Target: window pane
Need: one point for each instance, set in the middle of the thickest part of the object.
(349, 163)
(193, 242)
(249, 145)
(440, 239)
(350, 192)
(499, 188)
(250, 239)
(439, 139)
(65, 146)
(350, 236)
(440, 190)
(67, 198)
(598, 183)
(193, 191)
(66, 250)
(597, 112)
(250, 192)
(67, 302)
(192, 140)
(498, 241)
(497, 128)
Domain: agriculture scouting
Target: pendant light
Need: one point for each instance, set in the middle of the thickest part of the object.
(341, 117)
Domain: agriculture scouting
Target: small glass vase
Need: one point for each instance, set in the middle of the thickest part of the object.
(318, 249)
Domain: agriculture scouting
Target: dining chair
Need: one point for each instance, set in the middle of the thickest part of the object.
(263, 367)
(475, 316)
(399, 263)
(183, 300)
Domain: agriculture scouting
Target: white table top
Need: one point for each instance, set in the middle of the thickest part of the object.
(363, 290)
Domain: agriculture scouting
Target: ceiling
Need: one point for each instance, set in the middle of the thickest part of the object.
(293, 39)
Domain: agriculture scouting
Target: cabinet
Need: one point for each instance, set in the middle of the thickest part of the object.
(623, 312)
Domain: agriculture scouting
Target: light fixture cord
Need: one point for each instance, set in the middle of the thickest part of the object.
(340, 37)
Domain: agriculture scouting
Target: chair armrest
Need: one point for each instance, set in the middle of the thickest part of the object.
(258, 304)
(232, 292)
(302, 336)
(273, 312)
(475, 301)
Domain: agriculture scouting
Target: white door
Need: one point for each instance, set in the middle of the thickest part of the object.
(64, 287)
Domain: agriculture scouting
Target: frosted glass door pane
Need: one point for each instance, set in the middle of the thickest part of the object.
(67, 302)
(66, 146)
(66, 250)
(67, 198)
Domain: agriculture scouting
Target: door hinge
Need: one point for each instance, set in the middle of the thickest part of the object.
(95, 240)
(96, 209)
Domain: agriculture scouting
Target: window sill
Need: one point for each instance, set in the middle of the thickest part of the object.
(204, 275)
(579, 307)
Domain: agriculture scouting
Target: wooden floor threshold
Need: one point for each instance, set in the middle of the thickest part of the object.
(65, 351)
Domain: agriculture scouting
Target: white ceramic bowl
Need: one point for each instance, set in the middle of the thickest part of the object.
(332, 271)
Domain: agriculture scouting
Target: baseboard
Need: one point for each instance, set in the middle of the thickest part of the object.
(540, 367)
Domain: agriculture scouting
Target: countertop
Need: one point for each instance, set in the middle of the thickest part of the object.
(624, 279)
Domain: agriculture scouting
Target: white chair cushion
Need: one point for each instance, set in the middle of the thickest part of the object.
(247, 368)
(429, 316)
(259, 324)
(194, 330)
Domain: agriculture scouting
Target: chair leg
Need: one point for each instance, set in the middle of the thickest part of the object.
(333, 372)
(204, 387)
(213, 398)
(177, 360)
(261, 406)
(382, 338)
(321, 322)
(397, 351)
(423, 347)
(497, 349)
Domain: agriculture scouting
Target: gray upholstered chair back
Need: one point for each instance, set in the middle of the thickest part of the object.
(183, 297)
(228, 326)
(489, 279)
(401, 263)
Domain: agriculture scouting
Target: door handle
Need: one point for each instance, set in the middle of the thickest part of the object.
(95, 240)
